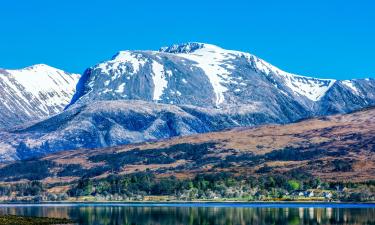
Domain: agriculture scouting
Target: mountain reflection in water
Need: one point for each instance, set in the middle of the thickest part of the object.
(173, 215)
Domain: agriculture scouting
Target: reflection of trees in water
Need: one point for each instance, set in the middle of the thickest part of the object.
(39, 211)
(192, 215)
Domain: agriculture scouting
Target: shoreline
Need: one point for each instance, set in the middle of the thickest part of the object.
(254, 204)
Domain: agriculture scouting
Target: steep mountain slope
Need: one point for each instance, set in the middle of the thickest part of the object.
(346, 96)
(335, 148)
(33, 93)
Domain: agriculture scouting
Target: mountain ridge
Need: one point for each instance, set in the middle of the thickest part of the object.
(209, 64)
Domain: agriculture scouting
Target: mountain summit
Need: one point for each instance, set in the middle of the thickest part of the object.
(206, 75)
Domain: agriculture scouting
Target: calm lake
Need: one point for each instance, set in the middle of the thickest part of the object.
(201, 213)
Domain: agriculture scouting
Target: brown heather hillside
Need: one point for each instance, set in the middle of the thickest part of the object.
(336, 148)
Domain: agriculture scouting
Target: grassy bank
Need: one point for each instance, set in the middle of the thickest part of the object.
(22, 220)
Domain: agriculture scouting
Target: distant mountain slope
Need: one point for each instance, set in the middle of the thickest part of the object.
(33, 93)
(337, 148)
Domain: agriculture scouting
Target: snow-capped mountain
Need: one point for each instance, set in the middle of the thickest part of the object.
(208, 76)
(179, 90)
(33, 93)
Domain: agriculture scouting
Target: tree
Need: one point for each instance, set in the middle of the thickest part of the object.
(293, 185)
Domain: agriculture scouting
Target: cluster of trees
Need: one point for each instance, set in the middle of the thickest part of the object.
(27, 169)
(167, 155)
(33, 188)
(34, 191)
(206, 186)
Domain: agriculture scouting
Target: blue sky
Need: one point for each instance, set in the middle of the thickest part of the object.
(322, 38)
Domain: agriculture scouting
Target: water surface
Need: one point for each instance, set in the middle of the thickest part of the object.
(201, 213)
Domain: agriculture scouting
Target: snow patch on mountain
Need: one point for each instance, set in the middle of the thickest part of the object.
(159, 80)
(350, 85)
(121, 62)
(312, 88)
(211, 60)
(120, 88)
